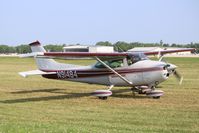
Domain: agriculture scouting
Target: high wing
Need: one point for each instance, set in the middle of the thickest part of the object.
(102, 56)
(170, 51)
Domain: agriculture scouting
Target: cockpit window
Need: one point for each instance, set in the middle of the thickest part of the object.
(135, 57)
(111, 63)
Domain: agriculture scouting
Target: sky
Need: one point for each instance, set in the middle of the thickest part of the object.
(91, 21)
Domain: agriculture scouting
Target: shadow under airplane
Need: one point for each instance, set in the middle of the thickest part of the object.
(116, 93)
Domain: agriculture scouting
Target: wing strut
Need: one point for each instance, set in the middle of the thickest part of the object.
(123, 78)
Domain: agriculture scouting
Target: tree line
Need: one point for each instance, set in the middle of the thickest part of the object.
(118, 46)
(21, 49)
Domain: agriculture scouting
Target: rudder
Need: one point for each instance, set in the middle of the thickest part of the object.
(36, 47)
(42, 63)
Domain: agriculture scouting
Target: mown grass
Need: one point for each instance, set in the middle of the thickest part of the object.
(36, 104)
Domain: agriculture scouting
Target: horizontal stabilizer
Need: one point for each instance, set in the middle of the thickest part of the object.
(34, 72)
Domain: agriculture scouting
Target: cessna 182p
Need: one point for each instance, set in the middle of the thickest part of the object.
(112, 69)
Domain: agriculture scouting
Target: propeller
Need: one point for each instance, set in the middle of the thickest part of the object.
(171, 68)
(178, 76)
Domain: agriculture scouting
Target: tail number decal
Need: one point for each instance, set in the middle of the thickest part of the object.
(67, 74)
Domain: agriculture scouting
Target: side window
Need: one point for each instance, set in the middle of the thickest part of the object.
(100, 65)
(115, 64)
(111, 63)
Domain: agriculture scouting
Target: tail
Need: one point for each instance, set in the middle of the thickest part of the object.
(36, 47)
(45, 64)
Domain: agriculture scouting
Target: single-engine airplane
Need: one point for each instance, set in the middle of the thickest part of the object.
(132, 69)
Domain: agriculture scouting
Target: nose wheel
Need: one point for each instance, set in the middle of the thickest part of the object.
(155, 94)
(157, 97)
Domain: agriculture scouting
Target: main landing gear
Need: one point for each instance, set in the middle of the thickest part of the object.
(103, 98)
(103, 94)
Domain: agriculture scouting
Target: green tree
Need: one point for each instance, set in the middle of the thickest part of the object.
(122, 46)
(161, 43)
(54, 48)
(21, 49)
(106, 43)
(7, 49)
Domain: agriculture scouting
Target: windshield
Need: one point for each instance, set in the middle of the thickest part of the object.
(135, 57)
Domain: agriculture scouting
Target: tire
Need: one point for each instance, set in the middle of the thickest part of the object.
(103, 98)
(157, 97)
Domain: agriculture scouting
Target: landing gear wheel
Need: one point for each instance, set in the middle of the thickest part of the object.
(103, 98)
(157, 97)
(102, 94)
(141, 92)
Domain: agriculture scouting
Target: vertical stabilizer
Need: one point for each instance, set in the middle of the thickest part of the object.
(42, 63)
(36, 47)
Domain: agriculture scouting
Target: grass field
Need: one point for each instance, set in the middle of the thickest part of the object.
(37, 105)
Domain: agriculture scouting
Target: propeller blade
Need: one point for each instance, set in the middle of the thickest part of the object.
(178, 76)
(171, 68)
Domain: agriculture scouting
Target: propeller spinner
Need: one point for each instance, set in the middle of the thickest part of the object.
(171, 68)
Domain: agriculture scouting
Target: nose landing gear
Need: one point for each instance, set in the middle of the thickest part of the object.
(156, 94)
(148, 91)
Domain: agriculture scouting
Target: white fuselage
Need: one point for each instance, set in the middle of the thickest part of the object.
(145, 72)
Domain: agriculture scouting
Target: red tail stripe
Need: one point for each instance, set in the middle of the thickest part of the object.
(35, 43)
